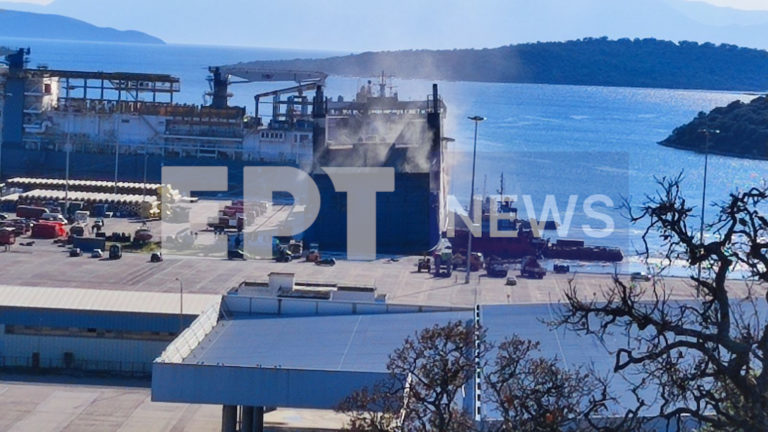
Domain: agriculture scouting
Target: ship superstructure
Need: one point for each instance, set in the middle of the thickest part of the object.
(126, 126)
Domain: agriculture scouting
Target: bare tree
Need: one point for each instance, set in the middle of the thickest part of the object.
(430, 370)
(428, 373)
(534, 394)
(375, 409)
(705, 358)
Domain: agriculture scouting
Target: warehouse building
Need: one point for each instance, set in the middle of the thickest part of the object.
(122, 332)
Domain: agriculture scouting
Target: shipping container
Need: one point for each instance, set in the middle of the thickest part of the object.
(7, 236)
(48, 230)
(30, 212)
(89, 244)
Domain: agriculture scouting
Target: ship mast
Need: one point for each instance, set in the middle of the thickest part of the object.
(501, 187)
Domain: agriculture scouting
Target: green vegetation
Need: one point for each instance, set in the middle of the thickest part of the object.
(739, 129)
(590, 61)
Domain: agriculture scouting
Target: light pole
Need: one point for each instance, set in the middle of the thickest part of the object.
(181, 305)
(67, 150)
(706, 132)
(477, 119)
(117, 144)
(144, 189)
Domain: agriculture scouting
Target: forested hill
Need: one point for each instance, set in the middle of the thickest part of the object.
(739, 129)
(601, 62)
(46, 26)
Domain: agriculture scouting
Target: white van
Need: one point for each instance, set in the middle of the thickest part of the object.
(81, 216)
(54, 217)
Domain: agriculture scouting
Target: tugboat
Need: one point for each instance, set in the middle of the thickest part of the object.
(523, 241)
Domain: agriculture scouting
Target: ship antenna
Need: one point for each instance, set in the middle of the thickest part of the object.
(501, 187)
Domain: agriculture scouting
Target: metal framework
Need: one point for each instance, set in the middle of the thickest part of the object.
(111, 86)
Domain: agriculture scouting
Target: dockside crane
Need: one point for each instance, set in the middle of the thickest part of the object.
(223, 76)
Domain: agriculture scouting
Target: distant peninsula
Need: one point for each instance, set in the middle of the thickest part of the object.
(591, 61)
(45, 26)
(739, 129)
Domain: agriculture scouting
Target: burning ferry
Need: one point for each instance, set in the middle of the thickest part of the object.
(126, 126)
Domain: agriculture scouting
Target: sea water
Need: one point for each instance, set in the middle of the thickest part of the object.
(548, 140)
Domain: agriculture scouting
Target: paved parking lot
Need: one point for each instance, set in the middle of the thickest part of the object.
(68, 404)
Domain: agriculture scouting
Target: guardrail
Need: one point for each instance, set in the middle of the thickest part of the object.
(180, 348)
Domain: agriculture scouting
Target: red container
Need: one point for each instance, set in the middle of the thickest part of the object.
(7, 237)
(48, 230)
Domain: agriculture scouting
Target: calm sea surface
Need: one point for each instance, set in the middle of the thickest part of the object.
(561, 141)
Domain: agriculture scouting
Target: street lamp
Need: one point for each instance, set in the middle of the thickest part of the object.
(706, 132)
(117, 144)
(144, 189)
(477, 119)
(181, 305)
(67, 150)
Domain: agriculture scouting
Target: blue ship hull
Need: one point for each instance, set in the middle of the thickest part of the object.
(407, 219)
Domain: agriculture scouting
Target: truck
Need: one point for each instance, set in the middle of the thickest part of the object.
(497, 268)
(81, 216)
(443, 258)
(531, 269)
(476, 262)
(314, 252)
(424, 263)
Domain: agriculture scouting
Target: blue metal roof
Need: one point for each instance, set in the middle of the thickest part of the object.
(314, 361)
(349, 342)
(570, 349)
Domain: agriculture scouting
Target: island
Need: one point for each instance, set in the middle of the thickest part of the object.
(18, 24)
(738, 129)
(591, 61)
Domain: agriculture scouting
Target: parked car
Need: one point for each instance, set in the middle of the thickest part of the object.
(640, 276)
(326, 262)
(511, 280)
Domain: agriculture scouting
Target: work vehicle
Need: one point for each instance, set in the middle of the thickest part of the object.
(330, 262)
(531, 269)
(424, 264)
(443, 258)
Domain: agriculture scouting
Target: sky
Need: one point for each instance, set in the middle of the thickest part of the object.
(356, 26)
(738, 4)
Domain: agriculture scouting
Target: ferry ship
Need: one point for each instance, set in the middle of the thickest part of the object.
(126, 126)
